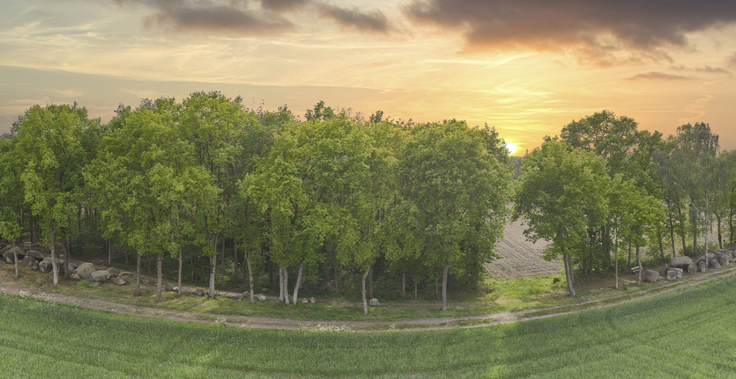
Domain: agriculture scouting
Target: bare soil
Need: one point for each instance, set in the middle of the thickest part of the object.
(520, 257)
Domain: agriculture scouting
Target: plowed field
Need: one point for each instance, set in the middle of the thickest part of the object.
(520, 257)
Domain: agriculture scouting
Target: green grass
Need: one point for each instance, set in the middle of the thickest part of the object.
(684, 334)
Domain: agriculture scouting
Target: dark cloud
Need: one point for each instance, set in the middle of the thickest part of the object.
(233, 17)
(583, 26)
(705, 69)
(282, 5)
(654, 75)
(353, 18)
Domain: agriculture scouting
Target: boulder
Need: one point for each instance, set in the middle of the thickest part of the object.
(75, 276)
(113, 271)
(85, 270)
(671, 275)
(72, 267)
(100, 276)
(94, 284)
(664, 269)
(119, 280)
(45, 265)
(680, 262)
(261, 297)
(373, 302)
(678, 272)
(651, 276)
(28, 261)
(312, 301)
(6, 248)
(35, 266)
(701, 266)
(305, 300)
(714, 264)
(692, 268)
(35, 254)
(8, 254)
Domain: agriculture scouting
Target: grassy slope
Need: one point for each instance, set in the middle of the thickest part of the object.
(685, 334)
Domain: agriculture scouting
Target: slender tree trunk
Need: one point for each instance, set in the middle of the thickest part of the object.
(298, 282)
(672, 235)
(222, 269)
(661, 245)
(616, 248)
(403, 285)
(365, 301)
(52, 241)
(568, 274)
(281, 284)
(720, 238)
(109, 253)
(235, 258)
(159, 276)
(638, 260)
(213, 275)
(15, 259)
(137, 274)
(250, 277)
(705, 228)
(180, 265)
(628, 263)
(286, 286)
(444, 287)
(682, 228)
(370, 281)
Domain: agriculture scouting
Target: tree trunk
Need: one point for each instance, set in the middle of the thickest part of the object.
(159, 276)
(109, 253)
(180, 265)
(638, 260)
(137, 274)
(444, 288)
(365, 301)
(68, 249)
(682, 228)
(416, 290)
(720, 239)
(568, 274)
(213, 275)
(52, 241)
(705, 228)
(616, 248)
(298, 282)
(661, 245)
(286, 286)
(250, 277)
(281, 284)
(235, 258)
(15, 259)
(672, 235)
(628, 263)
(370, 280)
(403, 285)
(222, 269)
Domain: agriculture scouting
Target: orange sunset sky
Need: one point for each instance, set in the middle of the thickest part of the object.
(527, 67)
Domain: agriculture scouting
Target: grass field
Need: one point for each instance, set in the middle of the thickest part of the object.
(685, 334)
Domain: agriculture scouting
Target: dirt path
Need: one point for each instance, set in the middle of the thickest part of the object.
(362, 326)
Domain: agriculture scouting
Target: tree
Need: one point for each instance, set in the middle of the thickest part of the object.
(51, 164)
(694, 169)
(457, 192)
(561, 196)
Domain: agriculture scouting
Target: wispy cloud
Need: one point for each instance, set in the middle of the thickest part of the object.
(374, 21)
(643, 29)
(704, 69)
(283, 5)
(654, 75)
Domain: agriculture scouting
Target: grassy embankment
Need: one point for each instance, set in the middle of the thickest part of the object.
(495, 295)
(688, 333)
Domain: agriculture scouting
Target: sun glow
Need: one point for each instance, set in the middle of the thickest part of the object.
(512, 147)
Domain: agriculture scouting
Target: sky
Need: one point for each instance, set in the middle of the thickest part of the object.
(526, 67)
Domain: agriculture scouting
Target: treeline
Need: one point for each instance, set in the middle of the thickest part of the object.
(602, 187)
(309, 200)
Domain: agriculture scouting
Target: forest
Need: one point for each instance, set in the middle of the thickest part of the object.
(212, 192)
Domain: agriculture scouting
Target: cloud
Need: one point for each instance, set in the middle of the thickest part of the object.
(282, 5)
(705, 69)
(353, 18)
(732, 60)
(654, 75)
(232, 17)
(641, 27)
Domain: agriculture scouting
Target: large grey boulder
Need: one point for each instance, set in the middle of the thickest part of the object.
(692, 268)
(701, 266)
(45, 265)
(261, 297)
(100, 276)
(8, 254)
(373, 302)
(671, 275)
(28, 261)
(6, 248)
(312, 300)
(113, 271)
(651, 276)
(85, 270)
(714, 264)
(680, 262)
(72, 267)
(35, 254)
(664, 269)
